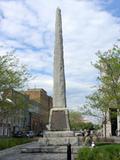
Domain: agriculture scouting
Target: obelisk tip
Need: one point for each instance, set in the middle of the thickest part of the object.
(58, 10)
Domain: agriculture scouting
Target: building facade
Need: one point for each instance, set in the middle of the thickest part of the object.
(13, 112)
(111, 126)
(20, 112)
(24, 111)
(40, 96)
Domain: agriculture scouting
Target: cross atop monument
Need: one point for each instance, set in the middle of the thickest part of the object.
(58, 120)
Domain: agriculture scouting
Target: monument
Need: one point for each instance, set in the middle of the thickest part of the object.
(58, 133)
(58, 120)
(59, 129)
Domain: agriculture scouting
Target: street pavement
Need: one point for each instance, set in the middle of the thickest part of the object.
(34, 156)
(15, 154)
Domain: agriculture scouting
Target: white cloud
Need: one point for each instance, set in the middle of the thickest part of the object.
(29, 27)
(36, 61)
(41, 80)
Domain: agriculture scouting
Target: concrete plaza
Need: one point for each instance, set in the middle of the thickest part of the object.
(15, 154)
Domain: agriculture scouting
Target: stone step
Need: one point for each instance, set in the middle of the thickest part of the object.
(58, 134)
(50, 149)
(60, 141)
(116, 139)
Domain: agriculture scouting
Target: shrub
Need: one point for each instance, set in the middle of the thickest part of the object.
(106, 152)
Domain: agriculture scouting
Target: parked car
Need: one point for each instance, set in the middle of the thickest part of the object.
(19, 134)
(30, 134)
(78, 133)
(40, 134)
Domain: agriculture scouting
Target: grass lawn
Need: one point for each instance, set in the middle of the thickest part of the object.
(10, 142)
(100, 152)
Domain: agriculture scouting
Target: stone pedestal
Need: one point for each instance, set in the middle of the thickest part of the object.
(58, 120)
(59, 134)
(60, 138)
(60, 141)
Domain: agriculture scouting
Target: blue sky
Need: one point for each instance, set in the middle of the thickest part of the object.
(112, 6)
(88, 26)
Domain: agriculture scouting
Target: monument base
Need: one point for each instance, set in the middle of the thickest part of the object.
(54, 134)
(59, 138)
(60, 141)
(50, 149)
(58, 119)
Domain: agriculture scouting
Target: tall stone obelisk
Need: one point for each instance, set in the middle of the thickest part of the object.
(59, 89)
(58, 119)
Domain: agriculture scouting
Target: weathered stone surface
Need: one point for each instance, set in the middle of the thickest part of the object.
(59, 89)
(50, 149)
(60, 141)
(58, 119)
(58, 123)
(58, 134)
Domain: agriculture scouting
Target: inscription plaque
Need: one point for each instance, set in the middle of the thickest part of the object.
(58, 121)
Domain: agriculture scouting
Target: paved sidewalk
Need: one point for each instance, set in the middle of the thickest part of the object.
(16, 148)
(15, 154)
(38, 156)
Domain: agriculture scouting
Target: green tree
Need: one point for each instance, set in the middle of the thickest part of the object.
(13, 75)
(107, 94)
(75, 120)
(98, 103)
(109, 67)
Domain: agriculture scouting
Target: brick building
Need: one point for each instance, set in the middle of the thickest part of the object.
(13, 112)
(40, 96)
(18, 112)
(28, 110)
